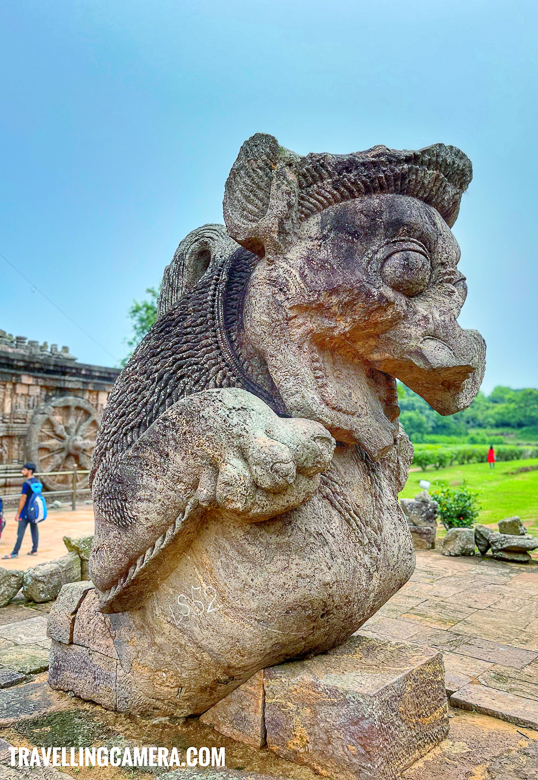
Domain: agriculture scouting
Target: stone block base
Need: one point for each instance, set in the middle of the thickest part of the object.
(423, 537)
(368, 709)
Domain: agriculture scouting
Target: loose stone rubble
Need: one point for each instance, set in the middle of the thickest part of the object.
(481, 537)
(459, 541)
(44, 581)
(511, 543)
(421, 514)
(512, 526)
(10, 584)
(506, 547)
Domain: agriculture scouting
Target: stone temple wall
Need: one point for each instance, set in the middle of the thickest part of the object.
(32, 375)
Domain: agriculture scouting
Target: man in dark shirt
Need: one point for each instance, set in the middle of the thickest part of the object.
(21, 517)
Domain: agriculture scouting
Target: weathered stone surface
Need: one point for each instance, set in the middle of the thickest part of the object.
(216, 774)
(512, 548)
(460, 670)
(481, 537)
(85, 570)
(243, 409)
(44, 581)
(61, 620)
(459, 541)
(10, 677)
(27, 701)
(505, 655)
(32, 773)
(92, 628)
(512, 526)
(27, 659)
(87, 674)
(421, 510)
(367, 709)
(10, 584)
(519, 682)
(505, 706)
(241, 714)
(81, 545)
(423, 538)
(514, 557)
(32, 631)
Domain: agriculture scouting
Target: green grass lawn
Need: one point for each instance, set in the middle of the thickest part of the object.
(500, 494)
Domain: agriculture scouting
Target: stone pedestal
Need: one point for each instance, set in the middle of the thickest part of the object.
(423, 538)
(421, 515)
(368, 709)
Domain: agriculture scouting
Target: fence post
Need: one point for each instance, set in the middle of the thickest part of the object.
(74, 491)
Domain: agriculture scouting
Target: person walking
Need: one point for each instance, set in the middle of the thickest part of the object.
(491, 457)
(21, 516)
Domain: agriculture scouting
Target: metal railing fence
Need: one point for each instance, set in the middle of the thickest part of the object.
(74, 490)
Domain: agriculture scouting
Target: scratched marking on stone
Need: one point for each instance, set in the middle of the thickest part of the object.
(193, 604)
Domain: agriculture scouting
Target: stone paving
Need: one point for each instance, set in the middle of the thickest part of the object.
(483, 616)
(24, 645)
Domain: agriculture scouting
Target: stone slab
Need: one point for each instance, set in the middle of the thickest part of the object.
(512, 526)
(32, 773)
(81, 545)
(89, 675)
(508, 542)
(240, 715)
(92, 628)
(10, 584)
(438, 614)
(44, 581)
(512, 557)
(459, 541)
(61, 621)
(28, 701)
(10, 677)
(389, 629)
(505, 655)
(26, 632)
(520, 682)
(367, 709)
(460, 670)
(481, 537)
(498, 704)
(423, 537)
(26, 659)
(14, 613)
(216, 774)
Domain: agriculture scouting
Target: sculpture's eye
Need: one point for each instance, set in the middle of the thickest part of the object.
(406, 270)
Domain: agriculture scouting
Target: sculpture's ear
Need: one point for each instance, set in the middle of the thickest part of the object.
(199, 251)
(261, 194)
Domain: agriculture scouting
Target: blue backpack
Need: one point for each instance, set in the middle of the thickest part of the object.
(36, 506)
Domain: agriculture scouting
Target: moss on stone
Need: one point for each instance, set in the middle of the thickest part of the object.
(69, 728)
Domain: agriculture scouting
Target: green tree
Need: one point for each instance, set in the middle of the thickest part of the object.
(143, 315)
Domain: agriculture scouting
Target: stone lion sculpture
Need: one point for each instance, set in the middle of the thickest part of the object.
(246, 476)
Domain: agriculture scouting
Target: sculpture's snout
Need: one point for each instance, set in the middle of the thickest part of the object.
(445, 367)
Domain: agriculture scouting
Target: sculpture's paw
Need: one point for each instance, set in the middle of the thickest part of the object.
(268, 466)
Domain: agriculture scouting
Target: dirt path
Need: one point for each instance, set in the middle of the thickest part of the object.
(59, 523)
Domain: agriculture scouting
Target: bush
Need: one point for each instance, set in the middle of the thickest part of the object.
(458, 507)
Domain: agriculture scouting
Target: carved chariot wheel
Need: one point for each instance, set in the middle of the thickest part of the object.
(62, 434)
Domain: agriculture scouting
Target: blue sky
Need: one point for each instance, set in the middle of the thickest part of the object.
(120, 120)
